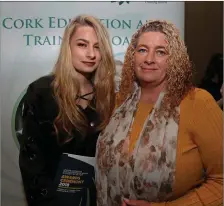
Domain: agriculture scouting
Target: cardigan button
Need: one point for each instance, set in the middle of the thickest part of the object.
(92, 124)
(32, 157)
(30, 139)
(44, 192)
(31, 197)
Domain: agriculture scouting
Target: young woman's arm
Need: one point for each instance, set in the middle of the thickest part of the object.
(35, 164)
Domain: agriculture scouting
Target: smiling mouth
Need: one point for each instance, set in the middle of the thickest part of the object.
(148, 69)
(89, 63)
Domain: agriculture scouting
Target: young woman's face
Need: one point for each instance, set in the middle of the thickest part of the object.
(151, 58)
(85, 51)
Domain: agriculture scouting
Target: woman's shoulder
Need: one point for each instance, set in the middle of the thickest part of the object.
(198, 94)
(39, 94)
(199, 98)
(42, 82)
(41, 86)
(40, 89)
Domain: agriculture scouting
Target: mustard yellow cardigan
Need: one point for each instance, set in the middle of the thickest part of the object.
(199, 160)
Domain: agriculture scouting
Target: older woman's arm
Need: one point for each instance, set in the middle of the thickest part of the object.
(208, 127)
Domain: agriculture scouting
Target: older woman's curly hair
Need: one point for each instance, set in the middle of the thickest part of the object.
(179, 73)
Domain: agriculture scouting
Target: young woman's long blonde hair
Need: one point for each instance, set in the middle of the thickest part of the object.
(66, 85)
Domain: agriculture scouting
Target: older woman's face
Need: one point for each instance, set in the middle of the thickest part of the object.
(150, 59)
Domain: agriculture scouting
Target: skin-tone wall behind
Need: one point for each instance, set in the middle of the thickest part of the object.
(203, 33)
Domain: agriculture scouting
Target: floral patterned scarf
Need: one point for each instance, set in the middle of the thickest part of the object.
(148, 173)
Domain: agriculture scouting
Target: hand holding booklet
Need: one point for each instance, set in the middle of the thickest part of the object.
(75, 180)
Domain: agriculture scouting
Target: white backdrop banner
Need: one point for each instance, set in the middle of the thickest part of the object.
(31, 34)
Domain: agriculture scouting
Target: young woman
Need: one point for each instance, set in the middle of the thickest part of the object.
(65, 111)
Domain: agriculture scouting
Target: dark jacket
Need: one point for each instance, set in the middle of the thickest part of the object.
(39, 149)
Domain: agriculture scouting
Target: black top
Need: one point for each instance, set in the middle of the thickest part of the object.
(213, 88)
(39, 149)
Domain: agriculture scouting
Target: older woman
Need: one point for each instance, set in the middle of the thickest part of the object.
(163, 144)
